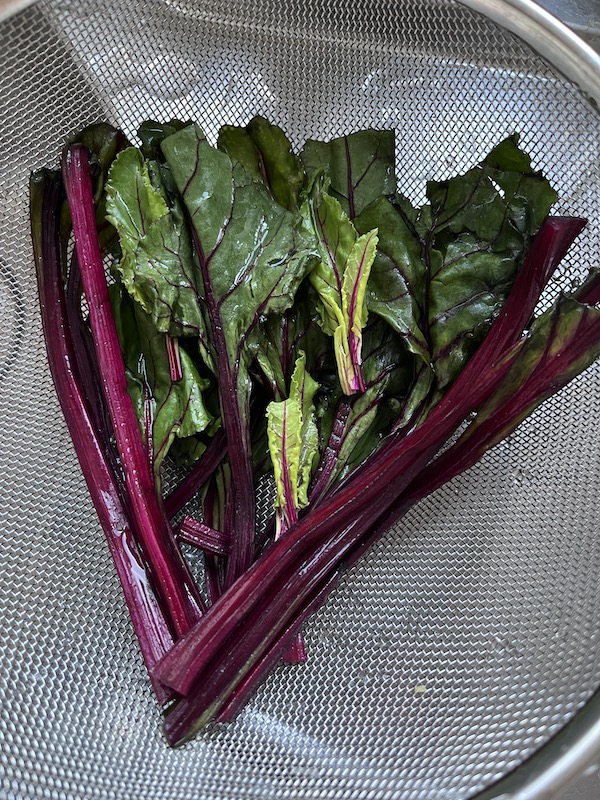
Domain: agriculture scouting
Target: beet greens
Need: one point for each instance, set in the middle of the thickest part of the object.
(257, 317)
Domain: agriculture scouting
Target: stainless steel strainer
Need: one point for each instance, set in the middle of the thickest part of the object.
(467, 638)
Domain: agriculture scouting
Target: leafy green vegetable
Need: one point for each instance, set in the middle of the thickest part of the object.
(340, 279)
(293, 444)
(560, 344)
(359, 166)
(266, 153)
(252, 253)
(282, 336)
(481, 224)
(166, 408)
(291, 321)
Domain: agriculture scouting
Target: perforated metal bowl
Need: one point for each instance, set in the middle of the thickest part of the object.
(469, 637)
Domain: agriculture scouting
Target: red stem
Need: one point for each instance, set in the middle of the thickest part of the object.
(329, 460)
(387, 473)
(262, 669)
(198, 534)
(148, 620)
(238, 436)
(172, 580)
(198, 475)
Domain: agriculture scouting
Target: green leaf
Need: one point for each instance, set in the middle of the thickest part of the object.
(388, 369)
(303, 389)
(359, 166)
(482, 224)
(340, 278)
(186, 451)
(419, 400)
(284, 421)
(254, 253)
(467, 291)
(152, 133)
(501, 201)
(354, 286)
(272, 355)
(443, 272)
(397, 286)
(293, 444)
(266, 153)
(104, 142)
(166, 408)
(156, 265)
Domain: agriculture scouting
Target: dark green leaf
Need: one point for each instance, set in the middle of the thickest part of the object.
(166, 408)
(398, 283)
(152, 133)
(156, 265)
(266, 153)
(482, 224)
(103, 141)
(186, 451)
(442, 273)
(282, 336)
(359, 166)
(253, 252)
(274, 355)
(466, 292)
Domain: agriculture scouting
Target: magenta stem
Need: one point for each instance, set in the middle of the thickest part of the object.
(198, 534)
(387, 473)
(148, 620)
(172, 580)
(198, 475)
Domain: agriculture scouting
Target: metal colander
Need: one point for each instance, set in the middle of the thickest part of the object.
(468, 637)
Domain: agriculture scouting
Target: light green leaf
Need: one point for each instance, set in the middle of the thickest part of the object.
(303, 389)
(293, 443)
(340, 279)
(284, 434)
